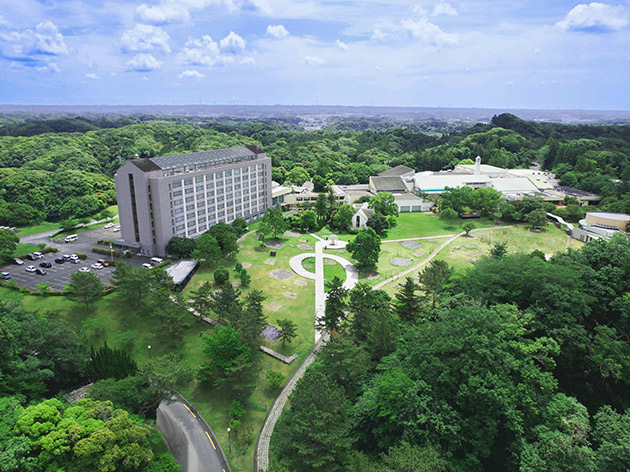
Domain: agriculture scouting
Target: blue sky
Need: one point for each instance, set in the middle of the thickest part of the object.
(473, 53)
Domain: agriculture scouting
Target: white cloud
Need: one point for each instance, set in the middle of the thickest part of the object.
(428, 33)
(3, 21)
(168, 12)
(444, 9)
(91, 76)
(202, 52)
(191, 74)
(48, 40)
(232, 43)
(595, 17)
(378, 35)
(144, 38)
(249, 61)
(341, 45)
(143, 63)
(277, 31)
(311, 60)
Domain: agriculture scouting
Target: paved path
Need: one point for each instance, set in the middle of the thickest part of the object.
(190, 439)
(261, 460)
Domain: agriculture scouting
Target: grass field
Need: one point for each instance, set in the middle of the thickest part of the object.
(463, 250)
(40, 228)
(417, 225)
(23, 249)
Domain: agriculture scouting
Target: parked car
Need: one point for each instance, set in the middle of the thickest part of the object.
(74, 261)
(84, 269)
(39, 255)
(30, 269)
(32, 257)
(146, 265)
(108, 225)
(40, 271)
(17, 261)
(5, 276)
(103, 262)
(66, 257)
(97, 266)
(45, 264)
(70, 239)
(60, 260)
(156, 260)
(116, 228)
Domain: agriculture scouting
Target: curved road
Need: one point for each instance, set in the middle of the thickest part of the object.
(189, 438)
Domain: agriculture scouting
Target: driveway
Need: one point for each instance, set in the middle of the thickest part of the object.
(189, 438)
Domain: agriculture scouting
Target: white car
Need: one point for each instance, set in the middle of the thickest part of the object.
(97, 266)
(30, 268)
(84, 269)
(117, 228)
(108, 225)
(146, 265)
(39, 255)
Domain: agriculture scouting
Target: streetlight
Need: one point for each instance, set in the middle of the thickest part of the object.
(229, 443)
(111, 252)
(149, 348)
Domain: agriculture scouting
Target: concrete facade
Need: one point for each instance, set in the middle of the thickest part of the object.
(184, 195)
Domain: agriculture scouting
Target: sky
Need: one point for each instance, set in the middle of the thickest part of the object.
(538, 54)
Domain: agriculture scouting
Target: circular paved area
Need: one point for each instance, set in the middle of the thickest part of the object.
(400, 261)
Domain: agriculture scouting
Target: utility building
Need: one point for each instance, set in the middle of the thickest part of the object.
(185, 194)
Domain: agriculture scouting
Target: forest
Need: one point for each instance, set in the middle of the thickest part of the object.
(58, 169)
(518, 364)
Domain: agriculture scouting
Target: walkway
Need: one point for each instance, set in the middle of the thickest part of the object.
(261, 459)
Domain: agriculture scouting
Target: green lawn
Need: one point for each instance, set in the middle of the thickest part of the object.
(417, 225)
(24, 249)
(463, 250)
(40, 228)
(332, 268)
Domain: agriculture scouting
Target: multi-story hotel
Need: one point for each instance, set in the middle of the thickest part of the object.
(184, 195)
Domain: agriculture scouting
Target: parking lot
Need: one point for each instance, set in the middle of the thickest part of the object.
(58, 275)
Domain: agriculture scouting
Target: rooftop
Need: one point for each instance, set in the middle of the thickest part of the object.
(179, 270)
(396, 171)
(388, 184)
(196, 160)
(610, 216)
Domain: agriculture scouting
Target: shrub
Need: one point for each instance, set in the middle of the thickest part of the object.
(81, 256)
(221, 276)
(106, 252)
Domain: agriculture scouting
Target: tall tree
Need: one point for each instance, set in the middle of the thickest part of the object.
(275, 221)
(226, 304)
(8, 243)
(433, 279)
(314, 435)
(133, 284)
(408, 303)
(84, 287)
(289, 330)
(206, 248)
(365, 247)
(335, 311)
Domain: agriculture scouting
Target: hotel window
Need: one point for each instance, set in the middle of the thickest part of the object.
(177, 184)
(178, 193)
(178, 219)
(179, 210)
(179, 227)
(190, 216)
(188, 182)
(221, 213)
(191, 224)
(189, 191)
(202, 228)
(199, 188)
(229, 189)
(201, 212)
(189, 199)
(202, 220)
(228, 172)
(199, 179)
(210, 185)
(190, 207)
(178, 201)
(228, 181)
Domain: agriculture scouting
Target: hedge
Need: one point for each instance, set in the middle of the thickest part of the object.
(106, 252)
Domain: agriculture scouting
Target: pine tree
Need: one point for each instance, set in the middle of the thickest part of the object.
(335, 306)
(407, 303)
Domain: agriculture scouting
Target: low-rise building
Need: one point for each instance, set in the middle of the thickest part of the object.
(600, 224)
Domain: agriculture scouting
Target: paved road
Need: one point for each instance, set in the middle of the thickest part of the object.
(190, 439)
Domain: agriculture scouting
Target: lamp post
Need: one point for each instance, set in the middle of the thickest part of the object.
(149, 348)
(111, 252)
(229, 443)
